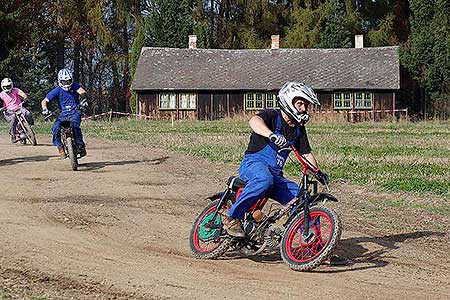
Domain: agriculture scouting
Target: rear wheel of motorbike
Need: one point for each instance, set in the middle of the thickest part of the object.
(30, 134)
(208, 243)
(72, 155)
(302, 254)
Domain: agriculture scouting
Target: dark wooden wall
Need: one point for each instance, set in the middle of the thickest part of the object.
(221, 104)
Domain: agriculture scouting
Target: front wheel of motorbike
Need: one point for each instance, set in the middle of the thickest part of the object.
(306, 253)
(205, 242)
(72, 153)
(30, 133)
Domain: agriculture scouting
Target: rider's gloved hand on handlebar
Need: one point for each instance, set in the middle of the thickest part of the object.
(84, 103)
(45, 111)
(322, 177)
(83, 100)
(278, 139)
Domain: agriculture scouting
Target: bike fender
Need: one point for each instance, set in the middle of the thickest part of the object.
(323, 196)
(215, 196)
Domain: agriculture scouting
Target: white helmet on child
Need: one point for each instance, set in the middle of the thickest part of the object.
(65, 79)
(292, 90)
(7, 85)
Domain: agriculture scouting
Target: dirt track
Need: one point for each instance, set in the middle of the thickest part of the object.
(118, 229)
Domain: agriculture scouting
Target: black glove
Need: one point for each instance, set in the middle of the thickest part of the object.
(322, 177)
(83, 101)
(278, 139)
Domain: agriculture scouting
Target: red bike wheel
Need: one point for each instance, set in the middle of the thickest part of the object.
(302, 254)
(205, 242)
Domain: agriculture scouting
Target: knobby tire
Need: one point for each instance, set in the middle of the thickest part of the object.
(30, 133)
(219, 248)
(72, 154)
(297, 258)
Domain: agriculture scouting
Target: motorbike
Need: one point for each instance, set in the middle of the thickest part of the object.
(69, 137)
(24, 131)
(304, 230)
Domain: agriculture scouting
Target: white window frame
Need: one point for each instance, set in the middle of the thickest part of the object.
(342, 100)
(271, 98)
(364, 100)
(167, 101)
(256, 104)
(191, 101)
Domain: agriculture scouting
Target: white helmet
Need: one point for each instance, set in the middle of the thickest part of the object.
(65, 79)
(291, 90)
(7, 85)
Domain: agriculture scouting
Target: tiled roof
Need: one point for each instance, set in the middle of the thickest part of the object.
(218, 69)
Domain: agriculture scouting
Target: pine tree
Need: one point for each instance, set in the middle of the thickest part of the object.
(306, 25)
(170, 23)
(426, 54)
(336, 33)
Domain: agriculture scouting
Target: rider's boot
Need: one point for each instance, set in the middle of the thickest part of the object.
(62, 153)
(233, 227)
(82, 151)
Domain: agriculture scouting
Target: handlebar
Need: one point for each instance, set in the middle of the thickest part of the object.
(49, 115)
(306, 164)
(80, 106)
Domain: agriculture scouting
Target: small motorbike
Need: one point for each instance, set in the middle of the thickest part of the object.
(305, 231)
(24, 131)
(69, 137)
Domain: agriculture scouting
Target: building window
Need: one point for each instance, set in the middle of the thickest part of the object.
(187, 101)
(167, 101)
(363, 100)
(254, 101)
(271, 101)
(342, 100)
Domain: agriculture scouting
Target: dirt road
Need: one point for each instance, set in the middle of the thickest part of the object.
(118, 229)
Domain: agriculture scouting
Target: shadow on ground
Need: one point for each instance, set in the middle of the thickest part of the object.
(19, 160)
(353, 251)
(92, 166)
(359, 257)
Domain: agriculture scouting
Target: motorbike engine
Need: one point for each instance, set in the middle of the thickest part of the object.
(273, 236)
(249, 227)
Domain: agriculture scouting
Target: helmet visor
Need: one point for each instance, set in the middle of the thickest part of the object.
(66, 82)
(7, 87)
(299, 102)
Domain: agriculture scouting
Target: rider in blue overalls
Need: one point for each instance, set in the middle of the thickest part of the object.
(262, 166)
(70, 96)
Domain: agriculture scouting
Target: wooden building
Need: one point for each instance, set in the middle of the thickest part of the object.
(215, 83)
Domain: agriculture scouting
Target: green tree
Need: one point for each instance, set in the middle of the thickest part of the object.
(427, 52)
(138, 44)
(336, 33)
(170, 23)
(306, 25)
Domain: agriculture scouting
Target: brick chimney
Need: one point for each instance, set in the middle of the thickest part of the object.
(275, 42)
(359, 41)
(192, 42)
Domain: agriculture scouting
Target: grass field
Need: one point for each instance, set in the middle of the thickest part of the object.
(412, 158)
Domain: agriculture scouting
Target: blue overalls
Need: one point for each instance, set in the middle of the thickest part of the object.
(67, 102)
(263, 172)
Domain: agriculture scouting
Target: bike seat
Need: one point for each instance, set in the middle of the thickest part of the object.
(235, 183)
